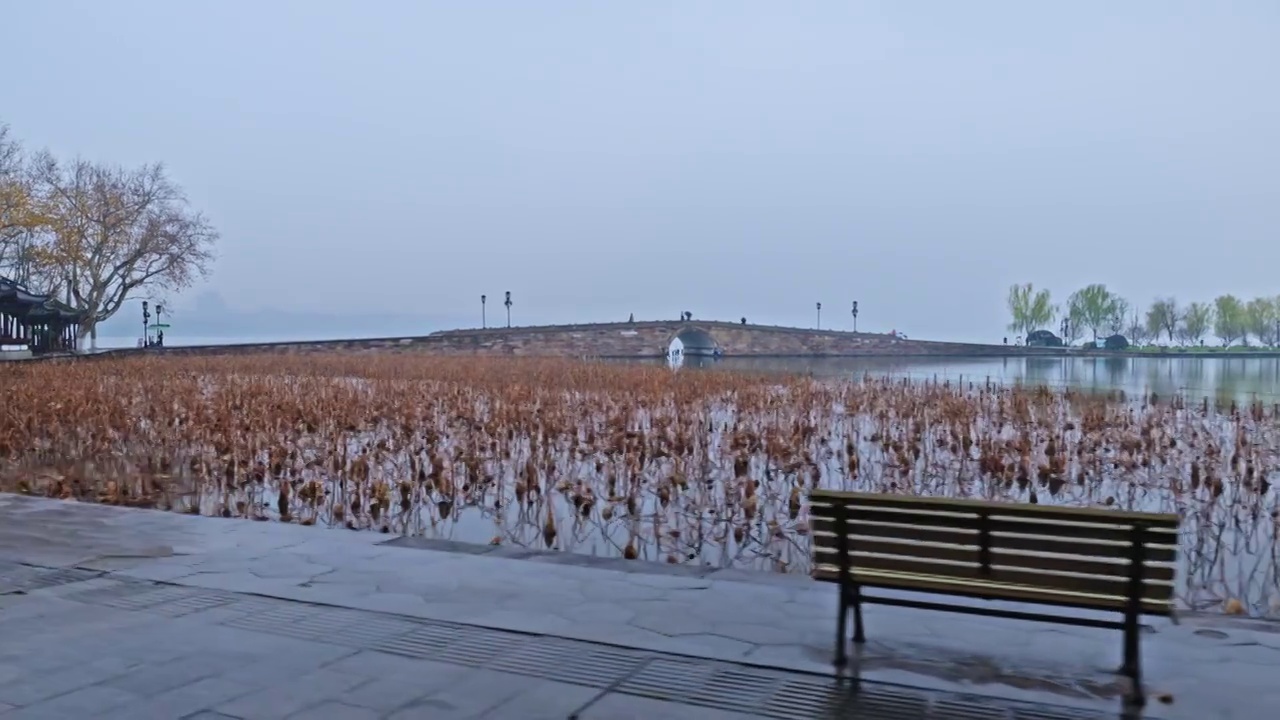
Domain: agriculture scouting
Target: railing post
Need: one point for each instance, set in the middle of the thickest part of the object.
(1132, 667)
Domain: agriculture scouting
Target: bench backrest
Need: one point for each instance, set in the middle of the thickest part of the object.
(1079, 550)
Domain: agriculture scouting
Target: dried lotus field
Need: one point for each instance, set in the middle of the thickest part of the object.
(638, 462)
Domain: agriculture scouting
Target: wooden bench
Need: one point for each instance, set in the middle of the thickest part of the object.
(1090, 559)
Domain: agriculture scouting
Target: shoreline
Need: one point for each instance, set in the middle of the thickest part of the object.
(1010, 353)
(652, 340)
(447, 343)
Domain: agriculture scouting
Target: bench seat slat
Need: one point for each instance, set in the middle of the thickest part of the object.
(1015, 576)
(1158, 571)
(999, 521)
(1104, 567)
(1105, 533)
(1000, 541)
(966, 553)
(1165, 521)
(989, 590)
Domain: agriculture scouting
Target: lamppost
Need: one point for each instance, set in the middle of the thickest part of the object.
(160, 325)
(819, 316)
(507, 302)
(855, 316)
(1066, 329)
(484, 322)
(146, 325)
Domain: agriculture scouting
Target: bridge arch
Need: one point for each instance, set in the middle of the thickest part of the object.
(692, 341)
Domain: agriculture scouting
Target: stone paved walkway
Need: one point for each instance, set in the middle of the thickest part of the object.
(85, 644)
(124, 611)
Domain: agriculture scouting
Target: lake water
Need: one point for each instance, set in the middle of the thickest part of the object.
(178, 340)
(1218, 378)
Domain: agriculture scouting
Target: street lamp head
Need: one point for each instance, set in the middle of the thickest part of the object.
(144, 306)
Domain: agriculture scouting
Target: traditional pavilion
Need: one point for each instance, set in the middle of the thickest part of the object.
(39, 323)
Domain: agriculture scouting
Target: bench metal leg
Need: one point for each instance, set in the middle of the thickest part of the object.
(1132, 667)
(858, 636)
(1133, 612)
(842, 626)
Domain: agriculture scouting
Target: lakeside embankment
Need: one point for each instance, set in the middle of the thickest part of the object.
(653, 340)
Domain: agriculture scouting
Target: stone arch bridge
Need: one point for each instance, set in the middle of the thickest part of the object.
(653, 340)
(635, 340)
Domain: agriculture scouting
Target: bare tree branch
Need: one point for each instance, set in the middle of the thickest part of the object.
(115, 232)
(14, 198)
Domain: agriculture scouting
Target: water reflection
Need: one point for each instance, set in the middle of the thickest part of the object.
(1234, 378)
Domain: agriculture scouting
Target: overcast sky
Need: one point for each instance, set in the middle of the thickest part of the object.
(729, 158)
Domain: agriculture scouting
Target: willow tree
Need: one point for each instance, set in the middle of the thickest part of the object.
(1029, 309)
(1163, 317)
(115, 233)
(1230, 320)
(1195, 322)
(1262, 319)
(1093, 307)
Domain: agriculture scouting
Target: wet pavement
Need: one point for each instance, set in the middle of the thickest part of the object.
(121, 611)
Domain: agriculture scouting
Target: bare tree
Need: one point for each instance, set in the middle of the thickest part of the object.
(114, 232)
(21, 219)
(1137, 332)
(16, 217)
(1119, 315)
(11, 195)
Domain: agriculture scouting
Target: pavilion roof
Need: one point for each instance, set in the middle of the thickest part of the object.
(17, 300)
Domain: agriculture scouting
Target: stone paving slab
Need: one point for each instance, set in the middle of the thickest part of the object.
(63, 659)
(156, 653)
(120, 648)
(1208, 667)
